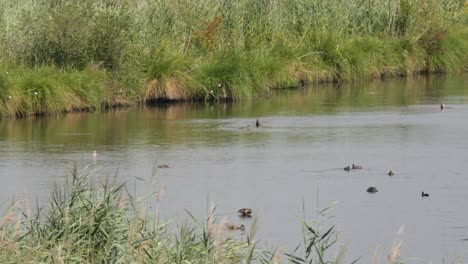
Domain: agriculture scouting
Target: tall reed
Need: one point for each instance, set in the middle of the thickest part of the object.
(214, 50)
(88, 219)
(87, 222)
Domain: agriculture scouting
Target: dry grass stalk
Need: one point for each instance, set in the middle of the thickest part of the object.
(171, 88)
(395, 253)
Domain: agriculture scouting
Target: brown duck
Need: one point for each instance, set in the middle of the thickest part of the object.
(236, 227)
(245, 212)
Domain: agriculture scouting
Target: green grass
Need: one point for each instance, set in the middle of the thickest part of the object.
(221, 50)
(89, 222)
(48, 89)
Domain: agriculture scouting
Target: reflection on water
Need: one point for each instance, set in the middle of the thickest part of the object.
(297, 155)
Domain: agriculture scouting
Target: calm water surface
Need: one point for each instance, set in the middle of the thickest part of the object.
(297, 155)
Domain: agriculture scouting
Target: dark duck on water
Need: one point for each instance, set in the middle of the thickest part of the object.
(245, 212)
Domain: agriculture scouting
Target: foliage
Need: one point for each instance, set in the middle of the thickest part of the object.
(219, 50)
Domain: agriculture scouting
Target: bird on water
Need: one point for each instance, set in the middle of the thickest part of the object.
(245, 212)
(423, 194)
(257, 124)
(236, 227)
(372, 190)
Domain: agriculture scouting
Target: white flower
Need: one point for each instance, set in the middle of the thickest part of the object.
(211, 91)
(35, 93)
(219, 85)
(9, 97)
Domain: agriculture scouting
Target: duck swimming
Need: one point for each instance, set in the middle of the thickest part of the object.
(372, 190)
(390, 173)
(347, 168)
(236, 227)
(245, 212)
(356, 167)
(423, 194)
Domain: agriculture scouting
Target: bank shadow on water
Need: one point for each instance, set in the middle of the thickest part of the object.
(174, 123)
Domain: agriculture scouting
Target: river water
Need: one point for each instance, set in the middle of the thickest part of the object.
(295, 158)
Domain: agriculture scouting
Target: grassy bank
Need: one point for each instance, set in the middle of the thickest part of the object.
(86, 222)
(91, 54)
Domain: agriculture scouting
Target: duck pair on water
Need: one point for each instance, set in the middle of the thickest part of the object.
(243, 212)
(353, 167)
(374, 190)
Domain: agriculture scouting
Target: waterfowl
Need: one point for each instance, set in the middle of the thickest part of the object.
(257, 124)
(347, 168)
(245, 212)
(423, 194)
(356, 167)
(372, 190)
(164, 166)
(442, 106)
(236, 227)
(390, 173)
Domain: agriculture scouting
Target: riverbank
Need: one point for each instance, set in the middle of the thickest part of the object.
(89, 55)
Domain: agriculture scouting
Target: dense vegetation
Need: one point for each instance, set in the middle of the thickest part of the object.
(69, 55)
(85, 222)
